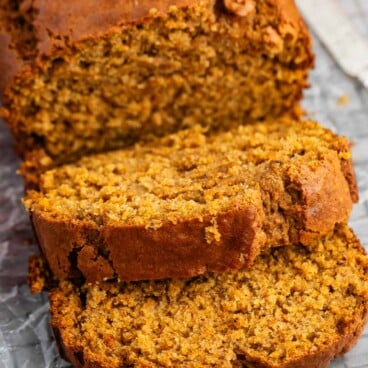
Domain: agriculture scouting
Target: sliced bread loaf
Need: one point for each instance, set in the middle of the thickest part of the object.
(190, 203)
(296, 307)
(86, 76)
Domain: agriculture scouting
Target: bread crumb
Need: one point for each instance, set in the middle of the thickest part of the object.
(343, 100)
(212, 233)
(241, 8)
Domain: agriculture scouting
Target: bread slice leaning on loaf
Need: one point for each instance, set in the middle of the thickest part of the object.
(88, 76)
(190, 202)
(296, 307)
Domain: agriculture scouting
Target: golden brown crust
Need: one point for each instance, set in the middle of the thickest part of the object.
(10, 65)
(327, 198)
(73, 21)
(39, 276)
(349, 173)
(136, 253)
(181, 250)
(58, 24)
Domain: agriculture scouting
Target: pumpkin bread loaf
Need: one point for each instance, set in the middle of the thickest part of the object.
(88, 76)
(189, 202)
(296, 307)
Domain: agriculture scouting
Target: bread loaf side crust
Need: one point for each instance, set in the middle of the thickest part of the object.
(328, 193)
(10, 65)
(136, 253)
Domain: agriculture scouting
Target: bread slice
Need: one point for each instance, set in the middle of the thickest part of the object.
(86, 76)
(296, 307)
(190, 203)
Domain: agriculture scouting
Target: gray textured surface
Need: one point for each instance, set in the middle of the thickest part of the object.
(25, 337)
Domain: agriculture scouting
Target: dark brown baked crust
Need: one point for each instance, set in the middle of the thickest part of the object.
(321, 198)
(10, 65)
(136, 253)
(80, 20)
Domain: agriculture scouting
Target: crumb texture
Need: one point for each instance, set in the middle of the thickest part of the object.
(192, 202)
(145, 76)
(188, 175)
(16, 19)
(294, 305)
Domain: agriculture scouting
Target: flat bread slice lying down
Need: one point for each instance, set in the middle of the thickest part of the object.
(190, 202)
(296, 307)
